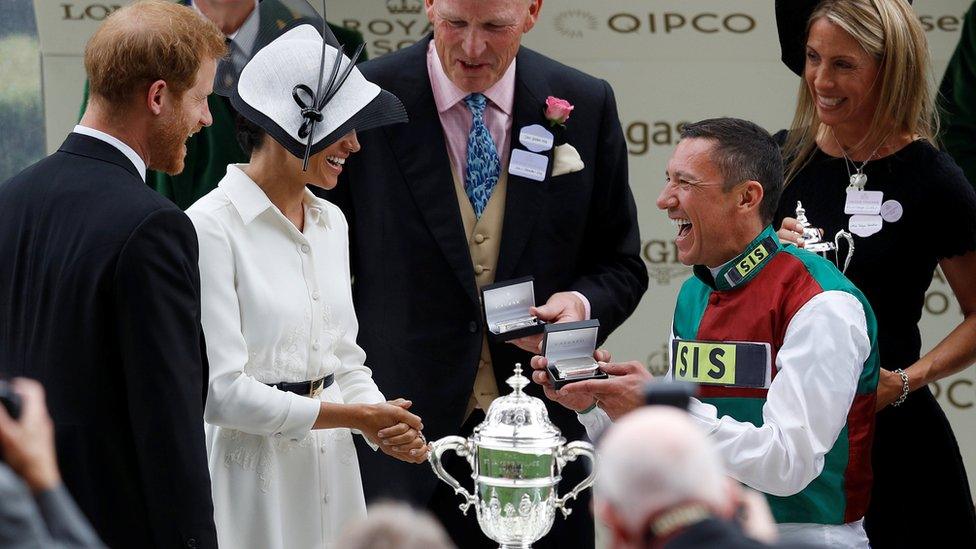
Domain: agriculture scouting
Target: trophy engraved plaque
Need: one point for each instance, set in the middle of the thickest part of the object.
(516, 456)
(812, 240)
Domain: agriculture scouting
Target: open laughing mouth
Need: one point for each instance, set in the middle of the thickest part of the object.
(683, 226)
(335, 161)
(829, 103)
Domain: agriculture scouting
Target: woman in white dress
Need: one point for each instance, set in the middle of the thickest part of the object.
(288, 385)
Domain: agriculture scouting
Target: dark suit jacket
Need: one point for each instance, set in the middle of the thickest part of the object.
(100, 301)
(415, 292)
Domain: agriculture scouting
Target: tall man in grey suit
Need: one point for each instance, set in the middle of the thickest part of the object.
(454, 200)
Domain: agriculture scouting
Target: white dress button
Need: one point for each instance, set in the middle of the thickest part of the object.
(305, 248)
(315, 295)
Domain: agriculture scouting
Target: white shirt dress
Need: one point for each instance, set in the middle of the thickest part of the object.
(277, 306)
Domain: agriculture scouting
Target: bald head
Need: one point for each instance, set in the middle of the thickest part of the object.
(395, 526)
(654, 458)
(147, 42)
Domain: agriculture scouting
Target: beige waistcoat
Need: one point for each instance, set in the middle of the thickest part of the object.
(484, 241)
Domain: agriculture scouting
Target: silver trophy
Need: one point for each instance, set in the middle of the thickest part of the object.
(812, 240)
(516, 456)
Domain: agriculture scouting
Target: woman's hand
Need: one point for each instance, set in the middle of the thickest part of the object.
(395, 430)
(890, 387)
(790, 232)
(373, 418)
(403, 441)
(388, 422)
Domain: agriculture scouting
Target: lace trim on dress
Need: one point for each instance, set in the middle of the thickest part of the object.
(258, 453)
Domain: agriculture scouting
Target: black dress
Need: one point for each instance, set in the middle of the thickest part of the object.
(921, 494)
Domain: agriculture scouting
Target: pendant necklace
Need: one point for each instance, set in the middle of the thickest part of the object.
(857, 179)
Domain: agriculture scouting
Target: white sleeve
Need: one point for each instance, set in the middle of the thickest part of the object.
(353, 377)
(819, 364)
(234, 399)
(594, 421)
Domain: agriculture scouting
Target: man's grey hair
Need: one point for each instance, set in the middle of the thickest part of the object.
(655, 458)
(395, 526)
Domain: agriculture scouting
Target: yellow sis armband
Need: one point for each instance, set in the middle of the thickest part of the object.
(728, 363)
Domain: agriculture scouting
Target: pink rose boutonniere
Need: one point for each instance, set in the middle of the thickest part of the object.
(558, 111)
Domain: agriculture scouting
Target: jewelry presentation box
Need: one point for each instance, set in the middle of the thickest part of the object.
(568, 348)
(506, 309)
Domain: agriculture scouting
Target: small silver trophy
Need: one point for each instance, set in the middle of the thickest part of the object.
(812, 240)
(516, 456)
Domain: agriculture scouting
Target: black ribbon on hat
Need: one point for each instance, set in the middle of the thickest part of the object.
(309, 112)
(312, 110)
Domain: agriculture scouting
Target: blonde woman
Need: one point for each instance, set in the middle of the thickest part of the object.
(861, 157)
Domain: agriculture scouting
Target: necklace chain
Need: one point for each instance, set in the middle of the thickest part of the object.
(857, 179)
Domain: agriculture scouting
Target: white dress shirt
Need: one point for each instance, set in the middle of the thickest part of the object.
(818, 366)
(129, 153)
(277, 306)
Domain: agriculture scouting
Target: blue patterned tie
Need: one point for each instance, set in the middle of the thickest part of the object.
(483, 163)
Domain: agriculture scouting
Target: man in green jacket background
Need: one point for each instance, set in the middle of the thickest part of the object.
(957, 99)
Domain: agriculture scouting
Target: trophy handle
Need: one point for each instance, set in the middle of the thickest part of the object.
(569, 453)
(462, 449)
(850, 249)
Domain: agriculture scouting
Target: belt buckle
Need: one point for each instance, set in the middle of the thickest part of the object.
(316, 387)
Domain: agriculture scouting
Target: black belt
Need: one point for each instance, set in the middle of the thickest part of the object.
(311, 388)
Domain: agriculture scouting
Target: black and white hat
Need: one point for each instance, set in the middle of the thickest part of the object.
(298, 86)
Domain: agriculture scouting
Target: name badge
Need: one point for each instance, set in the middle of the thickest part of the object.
(729, 363)
(865, 225)
(863, 202)
(528, 164)
(891, 211)
(536, 138)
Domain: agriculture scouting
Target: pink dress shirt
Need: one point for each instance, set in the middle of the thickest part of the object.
(456, 118)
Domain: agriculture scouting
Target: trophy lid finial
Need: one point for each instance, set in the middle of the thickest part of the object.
(801, 214)
(517, 381)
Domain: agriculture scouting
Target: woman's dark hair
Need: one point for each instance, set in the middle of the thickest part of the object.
(249, 135)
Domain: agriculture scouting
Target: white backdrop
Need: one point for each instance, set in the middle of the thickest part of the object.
(669, 61)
